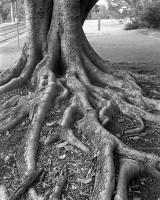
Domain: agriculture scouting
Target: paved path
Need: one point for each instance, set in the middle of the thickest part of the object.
(9, 52)
(112, 43)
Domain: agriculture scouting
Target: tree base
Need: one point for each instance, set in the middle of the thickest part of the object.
(81, 167)
(85, 94)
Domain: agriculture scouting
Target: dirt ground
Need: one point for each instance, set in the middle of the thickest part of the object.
(81, 168)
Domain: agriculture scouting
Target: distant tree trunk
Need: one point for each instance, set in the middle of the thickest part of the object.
(1, 18)
(59, 63)
(12, 10)
(1, 13)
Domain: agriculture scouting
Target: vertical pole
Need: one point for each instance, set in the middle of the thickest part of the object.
(99, 22)
(1, 10)
(12, 11)
(16, 5)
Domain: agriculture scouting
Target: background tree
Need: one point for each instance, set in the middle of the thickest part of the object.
(59, 63)
(119, 9)
(99, 11)
(8, 10)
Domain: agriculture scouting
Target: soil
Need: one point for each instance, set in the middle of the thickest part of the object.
(81, 168)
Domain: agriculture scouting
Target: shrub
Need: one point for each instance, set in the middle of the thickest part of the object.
(151, 15)
(135, 24)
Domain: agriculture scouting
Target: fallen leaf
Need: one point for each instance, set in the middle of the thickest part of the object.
(7, 133)
(50, 123)
(137, 198)
(136, 138)
(74, 187)
(85, 180)
(61, 145)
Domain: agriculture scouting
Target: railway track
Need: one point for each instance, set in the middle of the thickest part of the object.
(11, 31)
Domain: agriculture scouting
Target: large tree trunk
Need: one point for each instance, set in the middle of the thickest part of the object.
(60, 63)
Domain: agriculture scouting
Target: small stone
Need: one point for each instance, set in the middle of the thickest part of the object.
(74, 187)
(7, 158)
(63, 156)
(23, 124)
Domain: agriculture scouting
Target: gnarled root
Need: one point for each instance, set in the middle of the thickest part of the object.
(137, 130)
(90, 109)
(66, 133)
(28, 180)
(56, 195)
(20, 73)
(107, 145)
(16, 69)
(35, 105)
(32, 195)
(127, 171)
(132, 162)
(3, 192)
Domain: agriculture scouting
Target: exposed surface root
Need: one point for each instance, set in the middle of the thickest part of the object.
(57, 190)
(3, 192)
(28, 180)
(14, 110)
(107, 144)
(15, 70)
(136, 130)
(128, 169)
(32, 195)
(38, 114)
(90, 109)
(63, 95)
(18, 81)
(66, 132)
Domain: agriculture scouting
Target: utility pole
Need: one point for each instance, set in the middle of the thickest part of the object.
(99, 22)
(1, 11)
(99, 17)
(17, 21)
